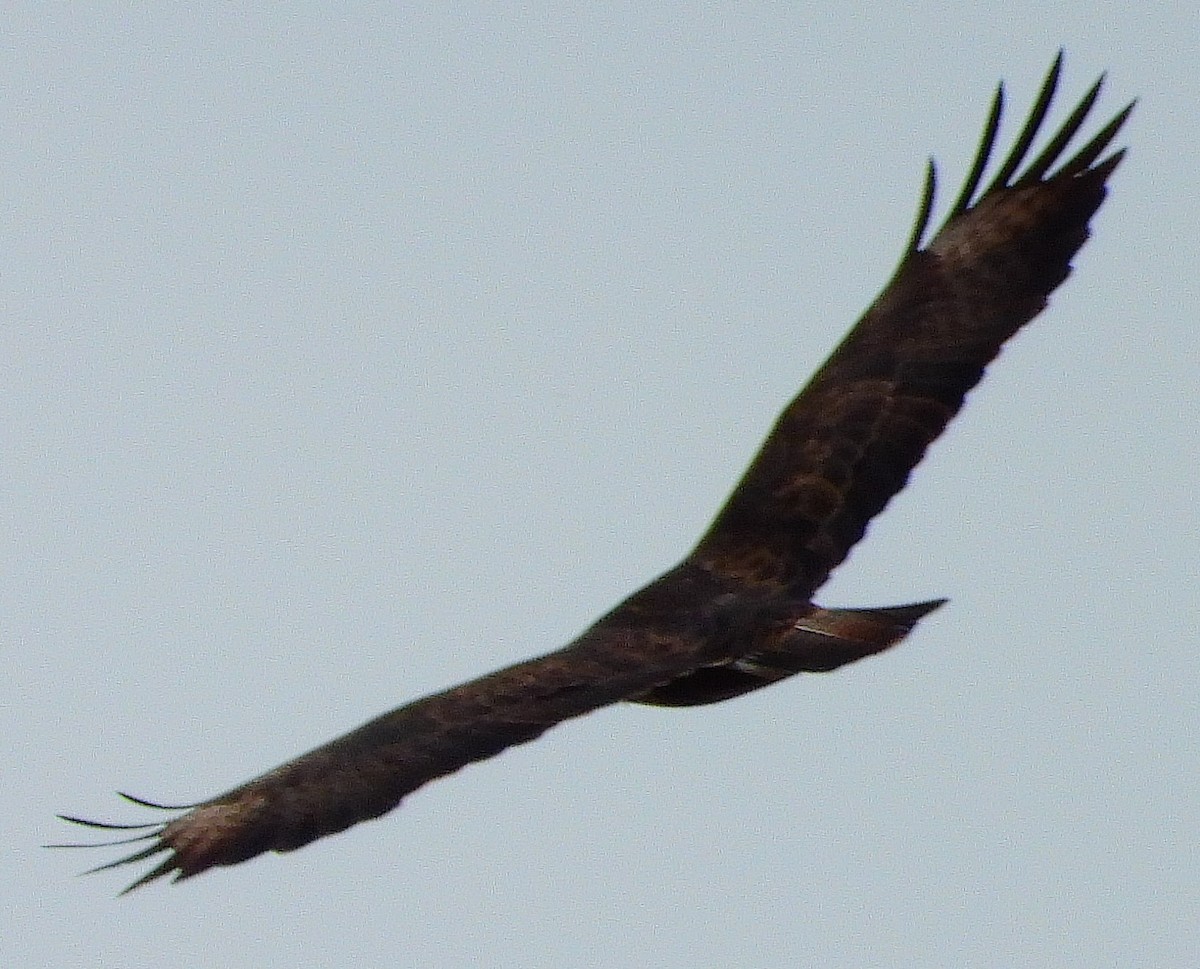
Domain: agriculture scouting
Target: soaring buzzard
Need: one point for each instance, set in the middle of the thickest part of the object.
(737, 613)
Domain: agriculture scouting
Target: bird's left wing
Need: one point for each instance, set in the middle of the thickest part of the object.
(366, 772)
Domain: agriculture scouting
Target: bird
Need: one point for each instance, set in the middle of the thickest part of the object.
(737, 613)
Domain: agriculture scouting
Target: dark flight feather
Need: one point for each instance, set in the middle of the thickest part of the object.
(737, 613)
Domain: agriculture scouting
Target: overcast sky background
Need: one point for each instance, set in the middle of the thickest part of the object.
(350, 351)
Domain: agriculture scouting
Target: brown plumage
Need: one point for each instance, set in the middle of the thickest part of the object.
(737, 613)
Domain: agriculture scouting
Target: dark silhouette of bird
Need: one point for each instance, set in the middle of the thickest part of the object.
(737, 613)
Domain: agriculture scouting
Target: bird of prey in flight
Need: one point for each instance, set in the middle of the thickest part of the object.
(737, 613)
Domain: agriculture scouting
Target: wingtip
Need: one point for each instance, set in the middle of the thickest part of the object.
(1111, 163)
(925, 209)
(152, 832)
(142, 802)
(105, 825)
(154, 874)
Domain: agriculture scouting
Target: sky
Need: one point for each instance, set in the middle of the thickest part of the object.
(351, 351)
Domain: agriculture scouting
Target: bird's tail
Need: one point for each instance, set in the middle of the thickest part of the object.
(822, 641)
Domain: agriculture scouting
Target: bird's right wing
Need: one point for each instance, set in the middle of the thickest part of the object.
(847, 443)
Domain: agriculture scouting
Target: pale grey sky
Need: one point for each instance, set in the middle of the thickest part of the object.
(353, 350)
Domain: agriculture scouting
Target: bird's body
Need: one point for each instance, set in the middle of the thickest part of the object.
(737, 613)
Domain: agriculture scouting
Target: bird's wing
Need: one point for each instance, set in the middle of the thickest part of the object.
(366, 772)
(846, 444)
